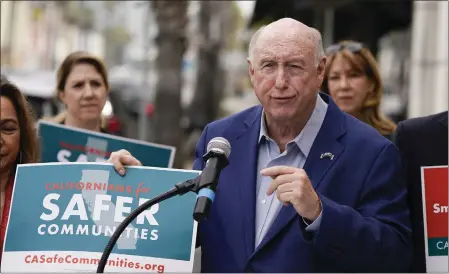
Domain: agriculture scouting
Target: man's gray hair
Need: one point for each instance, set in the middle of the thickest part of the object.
(319, 44)
(316, 36)
(253, 41)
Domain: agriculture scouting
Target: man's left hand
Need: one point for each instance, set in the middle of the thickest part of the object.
(292, 186)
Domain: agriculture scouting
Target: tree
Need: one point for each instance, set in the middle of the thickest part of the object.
(171, 18)
(210, 78)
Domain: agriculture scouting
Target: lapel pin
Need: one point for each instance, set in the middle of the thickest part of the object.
(327, 155)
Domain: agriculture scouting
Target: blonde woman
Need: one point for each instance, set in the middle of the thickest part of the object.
(353, 80)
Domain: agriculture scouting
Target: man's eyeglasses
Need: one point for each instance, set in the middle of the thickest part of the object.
(352, 47)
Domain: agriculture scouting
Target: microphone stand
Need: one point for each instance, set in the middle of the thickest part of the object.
(179, 189)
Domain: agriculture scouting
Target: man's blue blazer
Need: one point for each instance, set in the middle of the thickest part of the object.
(365, 223)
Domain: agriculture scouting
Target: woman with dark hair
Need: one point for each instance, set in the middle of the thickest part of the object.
(18, 143)
(353, 81)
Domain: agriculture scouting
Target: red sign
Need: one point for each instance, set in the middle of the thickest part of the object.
(435, 206)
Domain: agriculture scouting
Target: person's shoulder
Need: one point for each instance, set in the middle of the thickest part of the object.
(423, 123)
(57, 119)
(356, 132)
(359, 132)
(234, 119)
(365, 144)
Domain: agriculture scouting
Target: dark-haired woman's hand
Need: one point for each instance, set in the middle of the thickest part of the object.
(123, 158)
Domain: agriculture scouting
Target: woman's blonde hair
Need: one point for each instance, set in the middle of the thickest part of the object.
(29, 149)
(75, 58)
(363, 61)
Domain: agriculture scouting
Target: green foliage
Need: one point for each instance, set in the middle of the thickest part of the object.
(78, 15)
(117, 35)
(237, 23)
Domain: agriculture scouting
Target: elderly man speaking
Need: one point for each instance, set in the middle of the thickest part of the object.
(308, 188)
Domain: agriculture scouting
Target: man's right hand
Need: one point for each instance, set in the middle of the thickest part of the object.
(123, 158)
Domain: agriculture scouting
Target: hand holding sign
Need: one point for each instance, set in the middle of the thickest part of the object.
(121, 158)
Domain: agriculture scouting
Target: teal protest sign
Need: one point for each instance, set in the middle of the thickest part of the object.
(63, 215)
(61, 143)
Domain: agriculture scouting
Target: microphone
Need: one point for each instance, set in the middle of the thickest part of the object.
(218, 150)
(216, 158)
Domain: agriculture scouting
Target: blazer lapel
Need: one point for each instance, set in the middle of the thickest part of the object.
(245, 148)
(315, 166)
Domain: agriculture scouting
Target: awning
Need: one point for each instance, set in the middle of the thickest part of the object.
(363, 20)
